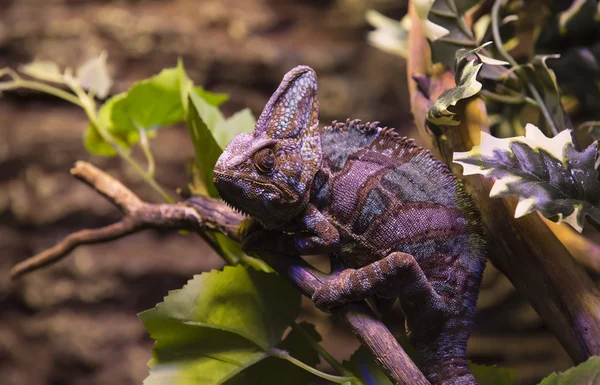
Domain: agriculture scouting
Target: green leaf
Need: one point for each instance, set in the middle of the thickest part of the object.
(241, 121)
(587, 373)
(219, 324)
(200, 115)
(147, 105)
(93, 75)
(232, 249)
(236, 300)
(468, 64)
(209, 131)
(192, 355)
(95, 144)
(212, 98)
(273, 371)
(547, 174)
(492, 375)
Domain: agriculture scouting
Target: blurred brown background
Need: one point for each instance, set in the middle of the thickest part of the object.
(75, 322)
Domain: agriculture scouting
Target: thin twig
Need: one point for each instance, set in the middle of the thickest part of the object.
(206, 214)
(83, 237)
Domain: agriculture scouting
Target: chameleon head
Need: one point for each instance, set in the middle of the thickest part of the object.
(268, 173)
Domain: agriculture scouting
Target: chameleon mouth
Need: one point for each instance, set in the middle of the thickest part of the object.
(235, 208)
(228, 187)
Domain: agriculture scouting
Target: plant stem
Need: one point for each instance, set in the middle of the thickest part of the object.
(255, 263)
(145, 145)
(509, 99)
(322, 352)
(519, 71)
(89, 107)
(41, 87)
(273, 352)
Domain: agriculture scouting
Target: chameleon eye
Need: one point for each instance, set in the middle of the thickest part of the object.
(264, 160)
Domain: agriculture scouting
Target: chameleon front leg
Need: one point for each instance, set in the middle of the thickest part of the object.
(311, 234)
(438, 328)
(398, 274)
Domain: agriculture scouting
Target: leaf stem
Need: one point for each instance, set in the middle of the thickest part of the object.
(255, 263)
(273, 352)
(509, 99)
(519, 71)
(145, 145)
(89, 106)
(41, 87)
(323, 353)
(87, 103)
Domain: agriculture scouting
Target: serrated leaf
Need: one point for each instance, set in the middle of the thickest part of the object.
(587, 373)
(544, 80)
(236, 299)
(389, 36)
(219, 324)
(200, 115)
(272, 371)
(93, 76)
(192, 355)
(468, 64)
(209, 130)
(43, 70)
(547, 174)
(492, 375)
(449, 15)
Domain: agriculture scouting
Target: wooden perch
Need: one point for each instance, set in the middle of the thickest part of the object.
(206, 214)
(524, 249)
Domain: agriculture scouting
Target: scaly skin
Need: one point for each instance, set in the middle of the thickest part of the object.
(391, 216)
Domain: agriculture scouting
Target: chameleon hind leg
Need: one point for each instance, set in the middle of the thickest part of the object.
(437, 328)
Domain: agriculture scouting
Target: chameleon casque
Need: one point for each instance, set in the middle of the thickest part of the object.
(394, 220)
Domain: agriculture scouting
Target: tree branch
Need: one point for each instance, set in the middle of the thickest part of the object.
(206, 214)
(524, 249)
(83, 237)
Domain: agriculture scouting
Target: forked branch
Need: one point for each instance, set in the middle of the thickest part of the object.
(206, 214)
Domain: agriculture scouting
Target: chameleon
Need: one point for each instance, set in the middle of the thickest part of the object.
(394, 221)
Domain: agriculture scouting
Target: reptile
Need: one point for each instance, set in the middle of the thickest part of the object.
(394, 220)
